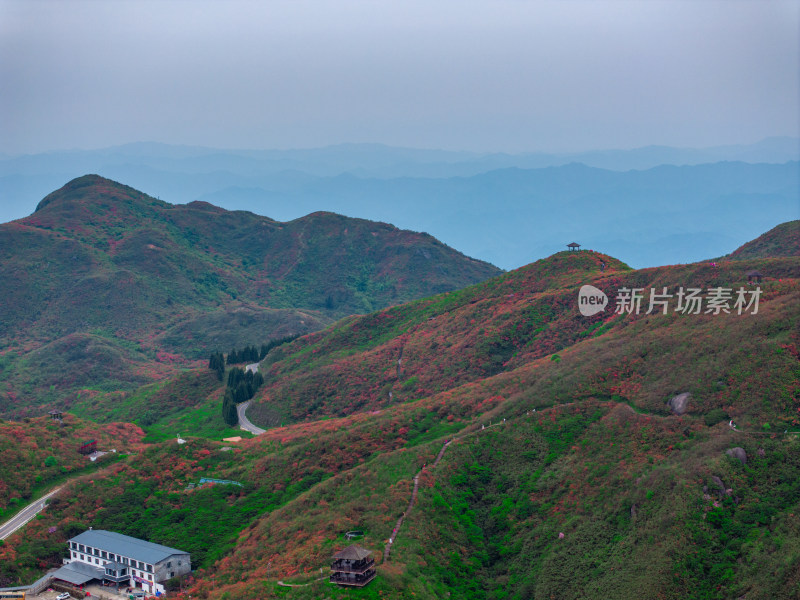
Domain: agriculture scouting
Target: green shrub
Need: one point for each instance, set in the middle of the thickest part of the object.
(715, 416)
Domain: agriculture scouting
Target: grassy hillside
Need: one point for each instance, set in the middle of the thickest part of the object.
(783, 240)
(40, 451)
(518, 317)
(568, 473)
(186, 404)
(159, 285)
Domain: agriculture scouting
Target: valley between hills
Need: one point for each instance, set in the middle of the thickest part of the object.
(545, 451)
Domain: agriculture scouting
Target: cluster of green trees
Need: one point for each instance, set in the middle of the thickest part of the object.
(250, 354)
(242, 385)
(217, 364)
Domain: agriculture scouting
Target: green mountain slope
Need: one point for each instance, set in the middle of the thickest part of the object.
(571, 471)
(165, 284)
(783, 240)
(493, 327)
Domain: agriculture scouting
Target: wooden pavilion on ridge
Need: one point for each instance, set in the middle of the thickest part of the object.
(754, 276)
(573, 246)
(353, 566)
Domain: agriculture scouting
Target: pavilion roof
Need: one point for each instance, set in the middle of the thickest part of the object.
(352, 553)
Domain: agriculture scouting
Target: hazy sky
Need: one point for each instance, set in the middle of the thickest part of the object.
(456, 74)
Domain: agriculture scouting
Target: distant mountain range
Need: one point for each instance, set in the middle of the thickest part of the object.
(105, 286)
(649, 206)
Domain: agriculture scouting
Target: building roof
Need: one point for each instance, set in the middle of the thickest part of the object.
(352, 553)
(125, 545)
(573, 245)
(78, 573)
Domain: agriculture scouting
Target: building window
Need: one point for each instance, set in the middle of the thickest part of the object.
(169, 564)
(81, 556)
(82, 549)
(74, 555)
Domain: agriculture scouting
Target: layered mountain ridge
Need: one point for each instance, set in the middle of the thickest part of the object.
(628, 454)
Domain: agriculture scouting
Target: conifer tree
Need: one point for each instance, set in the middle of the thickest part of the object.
(258, 381)
(229, 413)
(217, 363)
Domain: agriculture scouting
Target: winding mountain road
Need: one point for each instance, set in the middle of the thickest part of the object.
(244, 422)
(25, 515)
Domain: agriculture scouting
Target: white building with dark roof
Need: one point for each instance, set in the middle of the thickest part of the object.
(122, 560)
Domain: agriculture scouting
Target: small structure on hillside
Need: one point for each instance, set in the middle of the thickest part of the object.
(754, 276)
(573, 246)
(209, 480)
(88, 447)
(56, 415)
(353, 566)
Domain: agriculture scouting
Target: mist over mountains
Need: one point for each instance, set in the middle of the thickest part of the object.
(670, 205)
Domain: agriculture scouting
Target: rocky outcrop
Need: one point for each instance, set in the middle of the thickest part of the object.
(679, 404)
(738, 453)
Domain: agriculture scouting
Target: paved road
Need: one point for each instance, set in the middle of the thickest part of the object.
(25, 515)
(244, 422)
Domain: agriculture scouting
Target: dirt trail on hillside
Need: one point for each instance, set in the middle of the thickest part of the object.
(395, 532)
(411, 503)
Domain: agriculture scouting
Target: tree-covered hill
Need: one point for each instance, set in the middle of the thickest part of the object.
(163, 284)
